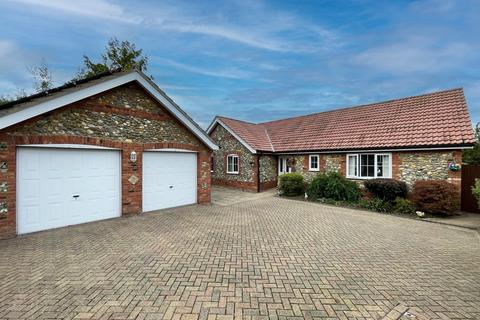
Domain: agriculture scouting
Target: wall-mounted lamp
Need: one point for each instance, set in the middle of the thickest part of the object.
(133, 156)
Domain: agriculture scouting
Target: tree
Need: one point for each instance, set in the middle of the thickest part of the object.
(118, 55)
(4, 99)
(41, 76)
(472, 156)
(21, 93)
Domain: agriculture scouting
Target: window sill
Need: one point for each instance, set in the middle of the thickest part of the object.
(232, 172)
(313, 170)
(367, 178)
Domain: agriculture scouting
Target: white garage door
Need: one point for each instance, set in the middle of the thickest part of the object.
(60, 187)
(169, 179)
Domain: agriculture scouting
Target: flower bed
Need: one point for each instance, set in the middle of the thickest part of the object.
(427, 198)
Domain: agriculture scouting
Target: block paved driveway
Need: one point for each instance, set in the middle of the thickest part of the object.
(268, 258)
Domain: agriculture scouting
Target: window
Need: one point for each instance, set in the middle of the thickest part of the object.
(369, 165)
(212, 164)
(284, 165)
(352, 167)
(232, 163)
(313, 162)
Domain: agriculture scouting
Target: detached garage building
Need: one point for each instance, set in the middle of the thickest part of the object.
(103, 147)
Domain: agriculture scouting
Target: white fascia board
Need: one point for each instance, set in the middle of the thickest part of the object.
(243, 142)
(170, 150)
(212, 125)
(66, 146)
(72, 97)
(63, 100)
(374, 150)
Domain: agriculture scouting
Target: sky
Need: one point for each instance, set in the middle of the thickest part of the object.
(257, 60)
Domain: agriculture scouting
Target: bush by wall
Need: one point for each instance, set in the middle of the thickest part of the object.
(291, 184)
(404, 206)
(476, 191)
(387, 189)
(333, 186)
(436, 197)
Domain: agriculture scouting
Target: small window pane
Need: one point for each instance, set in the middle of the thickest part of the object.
(367, 165)
(235, 164)
(383, 166)
(232, 164)
(313, 162)
(352, 166)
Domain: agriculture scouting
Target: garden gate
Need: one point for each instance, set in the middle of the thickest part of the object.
(469, 174)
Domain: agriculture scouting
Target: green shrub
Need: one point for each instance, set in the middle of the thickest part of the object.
(404, 206)
(476, 191)
(436, 197)
(364, 203)
(381, 205)
(333, 186)
(375, 204)
(291, 184)
(387, 189)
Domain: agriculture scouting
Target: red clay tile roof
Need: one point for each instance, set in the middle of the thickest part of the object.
(431, 120)
(253, 134)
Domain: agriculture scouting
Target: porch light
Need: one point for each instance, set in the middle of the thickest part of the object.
(133, 156)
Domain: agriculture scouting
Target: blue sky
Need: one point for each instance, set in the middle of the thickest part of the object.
(257, 60)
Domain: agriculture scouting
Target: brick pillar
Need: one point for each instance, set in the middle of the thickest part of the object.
(204, 176)
(343, 164)
(322, 163)
(396, 162)
(256, 172)
(8, 222)
(455, 177)
(131, 180)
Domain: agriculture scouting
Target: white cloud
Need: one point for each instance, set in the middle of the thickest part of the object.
(229, 33)
(232, 73)
(257, 26)
(87, 8)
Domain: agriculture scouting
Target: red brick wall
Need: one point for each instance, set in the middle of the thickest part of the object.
(243, 185)
(131, 194)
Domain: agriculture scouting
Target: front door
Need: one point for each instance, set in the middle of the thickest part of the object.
(283, 165)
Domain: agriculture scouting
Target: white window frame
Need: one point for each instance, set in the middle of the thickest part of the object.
(233, 156)
(358, 156)
(282, 162)
(310, 162)
(349, 174)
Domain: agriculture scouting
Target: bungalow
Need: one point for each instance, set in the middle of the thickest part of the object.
(408, 139)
